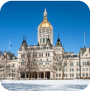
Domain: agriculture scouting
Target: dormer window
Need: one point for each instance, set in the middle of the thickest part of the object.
(57, 43)
(23, 48)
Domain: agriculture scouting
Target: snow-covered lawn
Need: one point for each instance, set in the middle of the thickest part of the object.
(45, 85)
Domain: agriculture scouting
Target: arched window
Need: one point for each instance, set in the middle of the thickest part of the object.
(43, 40)
(46, 54)
(41, 62)
(47, 62)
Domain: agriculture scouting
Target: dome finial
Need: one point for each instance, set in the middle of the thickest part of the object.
(45, 9)
(45, 14)
(25, 37)
(58, 38)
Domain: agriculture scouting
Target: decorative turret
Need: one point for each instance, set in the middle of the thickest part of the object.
(24, 44)
(58, 44)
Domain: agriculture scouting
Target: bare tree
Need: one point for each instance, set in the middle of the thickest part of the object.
(59, 63)
(1, 53)
(30, 61)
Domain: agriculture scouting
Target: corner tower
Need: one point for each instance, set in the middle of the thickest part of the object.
(45, 30)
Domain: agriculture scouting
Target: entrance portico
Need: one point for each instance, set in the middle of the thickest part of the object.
(36, 75)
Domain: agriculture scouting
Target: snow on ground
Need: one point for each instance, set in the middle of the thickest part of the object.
(45, 85)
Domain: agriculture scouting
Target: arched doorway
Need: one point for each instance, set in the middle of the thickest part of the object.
(23, 76)
(27, 75)
(47, 75)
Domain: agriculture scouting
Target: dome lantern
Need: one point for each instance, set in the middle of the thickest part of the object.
(45, 22)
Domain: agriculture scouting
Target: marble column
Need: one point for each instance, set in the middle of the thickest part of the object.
(31, 74)
(37, 75)
(51, 75)
(44, 74)
(34, 75)
(25, 75)
(40, 74)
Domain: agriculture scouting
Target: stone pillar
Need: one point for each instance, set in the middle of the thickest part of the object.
(40, 74)
(54, 75)
(44, 74)
(37, 75)
(19, 75)
(51, 75)
(25, 75)
(34, 75)
(31, 74)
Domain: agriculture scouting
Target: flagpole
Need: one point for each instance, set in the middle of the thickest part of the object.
(84, 39)
(9, 45)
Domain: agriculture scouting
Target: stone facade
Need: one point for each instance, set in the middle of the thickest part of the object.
(44, 60)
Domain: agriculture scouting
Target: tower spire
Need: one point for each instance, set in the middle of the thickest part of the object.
(25, 37)
(45, 9)
(45, 14)
(58, 38)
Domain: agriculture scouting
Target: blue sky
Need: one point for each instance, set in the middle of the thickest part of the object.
(70, 19)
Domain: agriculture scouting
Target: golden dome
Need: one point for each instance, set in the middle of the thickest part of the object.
(45, 23)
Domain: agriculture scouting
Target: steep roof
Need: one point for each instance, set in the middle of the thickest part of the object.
(10, 54)
(58, 44)
(49, 44)
(24, 44)
(82, 50)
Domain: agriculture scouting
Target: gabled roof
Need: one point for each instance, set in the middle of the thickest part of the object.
(49, 44)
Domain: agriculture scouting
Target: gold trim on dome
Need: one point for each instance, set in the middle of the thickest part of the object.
(45, 23)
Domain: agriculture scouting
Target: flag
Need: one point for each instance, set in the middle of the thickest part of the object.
(84, 34)
(10, 45)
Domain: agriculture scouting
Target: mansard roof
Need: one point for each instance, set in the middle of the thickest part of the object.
(83, 50)
(8, 55)
(24, 44)
(11, 55)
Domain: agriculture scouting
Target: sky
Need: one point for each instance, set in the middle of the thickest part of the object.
(69, 18)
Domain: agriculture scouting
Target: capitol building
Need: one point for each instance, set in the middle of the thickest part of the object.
(44, 60)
